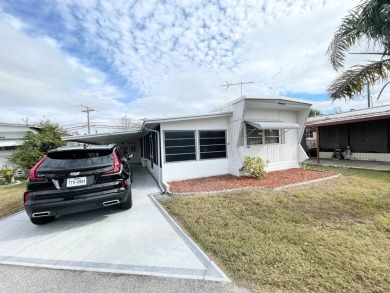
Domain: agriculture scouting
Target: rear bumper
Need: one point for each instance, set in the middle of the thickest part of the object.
(77, 205)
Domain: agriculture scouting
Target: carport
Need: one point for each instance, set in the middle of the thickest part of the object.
(130, 143)
(143, 240)
(127, 140)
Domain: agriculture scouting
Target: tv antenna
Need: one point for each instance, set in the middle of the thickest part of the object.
(228, 84)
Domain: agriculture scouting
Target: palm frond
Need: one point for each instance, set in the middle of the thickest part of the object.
(354, 80)
(371, 20)
(344, 38)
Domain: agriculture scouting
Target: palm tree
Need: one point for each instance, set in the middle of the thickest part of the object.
(368, 22)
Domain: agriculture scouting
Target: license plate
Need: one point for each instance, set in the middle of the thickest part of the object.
(77, 181)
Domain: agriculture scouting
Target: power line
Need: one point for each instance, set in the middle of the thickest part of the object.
(87, 110)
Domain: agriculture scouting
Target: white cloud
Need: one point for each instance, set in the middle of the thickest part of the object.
(176, 54)
(38, 80)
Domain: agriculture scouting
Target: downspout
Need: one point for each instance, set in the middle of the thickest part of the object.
(159, 158)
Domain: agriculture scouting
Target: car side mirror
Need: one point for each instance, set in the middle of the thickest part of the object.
(131, 156)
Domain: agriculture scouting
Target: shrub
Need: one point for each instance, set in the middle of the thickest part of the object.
(8, 174)
(37, 145)
(254, 167)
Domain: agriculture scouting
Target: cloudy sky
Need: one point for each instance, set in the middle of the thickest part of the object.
(161, 58)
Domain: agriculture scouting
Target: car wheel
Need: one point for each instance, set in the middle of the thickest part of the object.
(128, 203)
(42, 221)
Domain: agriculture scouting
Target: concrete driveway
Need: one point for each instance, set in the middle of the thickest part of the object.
(143, 240)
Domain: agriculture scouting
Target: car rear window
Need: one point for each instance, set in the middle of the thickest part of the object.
(77, 159)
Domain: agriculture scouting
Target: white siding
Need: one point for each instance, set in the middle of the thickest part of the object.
(271, 115)
(194, 169)
(4, 156)
(11, 135)
(235, 129)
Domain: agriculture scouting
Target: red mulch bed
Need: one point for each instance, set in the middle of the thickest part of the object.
(224, 182)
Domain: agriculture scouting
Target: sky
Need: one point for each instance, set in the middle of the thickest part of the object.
(130, 59)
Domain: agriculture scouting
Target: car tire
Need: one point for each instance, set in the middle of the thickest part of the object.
(128, 203)
(42, 221)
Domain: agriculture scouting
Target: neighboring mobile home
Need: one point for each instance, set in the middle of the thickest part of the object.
(216, 143)
(11, 136)
(359, 134)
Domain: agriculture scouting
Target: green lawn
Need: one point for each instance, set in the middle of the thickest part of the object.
(332, 236)
(11, 199)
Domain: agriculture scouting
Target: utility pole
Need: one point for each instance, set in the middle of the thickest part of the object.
(369, 98)
(87, 110)
(228, 84)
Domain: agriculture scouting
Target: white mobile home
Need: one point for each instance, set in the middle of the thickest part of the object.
(216, 143)
(11, 136)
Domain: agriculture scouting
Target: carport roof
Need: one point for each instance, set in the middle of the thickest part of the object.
(367, 114)
(107, 138)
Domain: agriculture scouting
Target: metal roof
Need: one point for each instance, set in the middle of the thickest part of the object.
(375, 113)
(19, 125)
(274, 99)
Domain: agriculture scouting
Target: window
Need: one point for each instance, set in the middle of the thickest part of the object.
(8, 148)
(261, 136)
(141, 143)
(253, 135)
(309, 132)
(77, 159)
(271, 136)
(180, 146)
(212, 144)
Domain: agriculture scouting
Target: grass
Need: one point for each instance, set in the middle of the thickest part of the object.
(332, 236)
(11, 199)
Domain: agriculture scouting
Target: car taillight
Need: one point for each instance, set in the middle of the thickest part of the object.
(117, 165)
(25, 198)
(33, 172)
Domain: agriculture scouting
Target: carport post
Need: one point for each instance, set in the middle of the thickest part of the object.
(318, 143)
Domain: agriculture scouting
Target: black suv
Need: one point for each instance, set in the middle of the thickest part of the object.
(72, 179)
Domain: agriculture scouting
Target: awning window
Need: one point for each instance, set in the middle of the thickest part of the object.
(274, 125)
